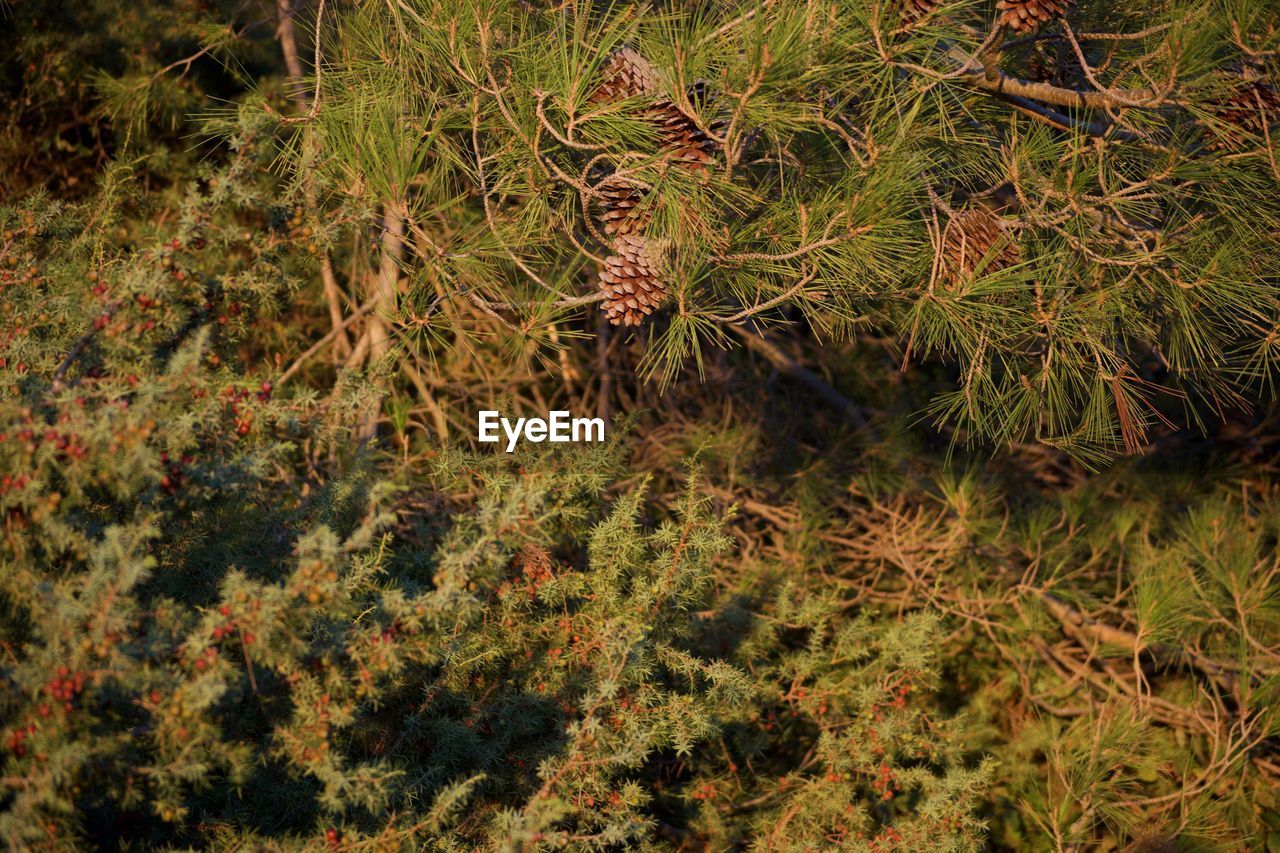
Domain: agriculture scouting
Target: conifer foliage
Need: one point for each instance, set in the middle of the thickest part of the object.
(936, 341)
(630, 280)
(714, 174)
(199, 651)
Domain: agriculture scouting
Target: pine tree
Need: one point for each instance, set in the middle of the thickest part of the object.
(978, 549)
(707, 182)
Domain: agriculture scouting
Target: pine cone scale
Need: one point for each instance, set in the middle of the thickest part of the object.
(1253, 109)
(626, 75)
(915, 10)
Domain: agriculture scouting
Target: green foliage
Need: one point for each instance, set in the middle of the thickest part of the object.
(192, 647)
(82, 82)
(259, 586)
(201, 645)
(846, 149)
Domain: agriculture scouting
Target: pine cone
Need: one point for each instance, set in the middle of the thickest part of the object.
(914, 10)
(626, 75)
(1023, 16)
(618, 208)
(1253, 108)
(969, 238)
(1040, 69)
(1060, 69)
(680, 135)
(630, 281)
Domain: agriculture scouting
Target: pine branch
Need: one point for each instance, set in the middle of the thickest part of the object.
(1081, 627)
(971, 70)
(816, 383)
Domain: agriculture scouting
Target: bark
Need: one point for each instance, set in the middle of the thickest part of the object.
(384, 285)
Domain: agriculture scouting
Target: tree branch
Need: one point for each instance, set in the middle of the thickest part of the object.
(804, 375)
(975, 75)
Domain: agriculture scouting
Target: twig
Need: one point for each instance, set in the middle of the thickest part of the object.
(1065, 122)
(333, 298)
(187, 61)
(289, 47)
(318, 345)
(770, 303)
(315, 66)
(1079, 626)
(78, 347)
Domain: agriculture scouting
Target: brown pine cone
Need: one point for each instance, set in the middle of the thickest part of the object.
(627, 74)
(631, 283)
(1254, 108)
(914, 10)
(1040, 69)
(630, 280)
(620, 208)
(969, 238)
(680, 136)
(1023, 16)
(1059, 69)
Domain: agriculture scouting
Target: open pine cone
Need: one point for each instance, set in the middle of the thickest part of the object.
(970, 238)
(1056, 68)
(681, 136)
(621, 211)
(629, 75)
(630, 280)
(1023, 16)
